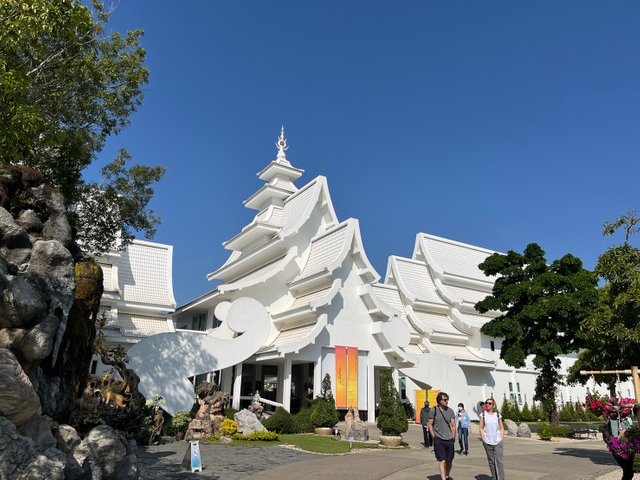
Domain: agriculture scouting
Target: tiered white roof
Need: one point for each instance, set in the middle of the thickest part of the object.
(138, 290)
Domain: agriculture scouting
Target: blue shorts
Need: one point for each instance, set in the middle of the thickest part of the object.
(444, 449)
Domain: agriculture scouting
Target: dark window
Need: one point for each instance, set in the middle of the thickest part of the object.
(493, 346)
(94, 367)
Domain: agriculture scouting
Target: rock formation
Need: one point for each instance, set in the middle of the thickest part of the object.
(248, 422)
(210, 414)
(48, 307)
(355, 429)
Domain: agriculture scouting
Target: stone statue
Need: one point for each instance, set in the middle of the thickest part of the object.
(256, 407)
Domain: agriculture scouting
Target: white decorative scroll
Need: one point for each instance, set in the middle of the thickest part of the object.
(441, 372)
(164, 362)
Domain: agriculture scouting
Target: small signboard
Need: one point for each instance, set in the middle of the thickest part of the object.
(196, 461)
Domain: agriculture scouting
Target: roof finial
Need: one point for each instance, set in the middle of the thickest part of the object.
(282, 145)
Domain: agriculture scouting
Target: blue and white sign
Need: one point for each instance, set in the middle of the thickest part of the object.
(196, 461)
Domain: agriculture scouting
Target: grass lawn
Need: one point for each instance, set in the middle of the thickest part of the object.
(317, 444)
(310, 443)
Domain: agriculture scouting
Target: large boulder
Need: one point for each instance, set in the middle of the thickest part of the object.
(524, 431)
(18, 399)
(111, 455)
(78, 453)
(38, 429)
(16, 451)
(511, 427)
(248, 422)
(48, 464)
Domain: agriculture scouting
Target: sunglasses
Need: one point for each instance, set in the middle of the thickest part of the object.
(444, 399)
(489, 403)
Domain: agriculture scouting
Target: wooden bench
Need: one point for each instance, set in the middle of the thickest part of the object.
(582, 430)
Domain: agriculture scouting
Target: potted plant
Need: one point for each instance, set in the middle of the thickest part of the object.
(392, 420)
(323, 413)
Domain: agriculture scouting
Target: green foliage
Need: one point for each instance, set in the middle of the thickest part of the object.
(409, 411)
(545, 431)
(65, 87)
(303, 421)
(543, 307)
(323, 411)
(280, 422)
(229, 427)
(526, 414)
(612, 333)
(257, 437)
(392, 419)
(568, 413)
(325, 388)
(180, 423)
(515, 412)
(230, 413)
(319, 444)
(505, 409)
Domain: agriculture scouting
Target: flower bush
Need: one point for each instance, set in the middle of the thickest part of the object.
(228, 427)
(625, 445)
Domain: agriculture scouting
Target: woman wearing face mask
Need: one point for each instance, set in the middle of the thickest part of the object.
(492, 432)
(464, 423)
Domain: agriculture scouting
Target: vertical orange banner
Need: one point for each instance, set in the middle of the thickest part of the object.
(352, 377)
(341, 377)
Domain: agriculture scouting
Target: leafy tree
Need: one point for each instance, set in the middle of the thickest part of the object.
(505, 409)
(526, 413)
(542, 308)
(323, 411)
(65, 87)
(392, 419)
(612, 333)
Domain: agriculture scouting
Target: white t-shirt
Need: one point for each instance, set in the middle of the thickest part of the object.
(491, 428)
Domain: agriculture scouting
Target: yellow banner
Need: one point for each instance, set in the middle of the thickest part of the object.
(341, 377)
(421, 397)
(432, 397)
(352, 377)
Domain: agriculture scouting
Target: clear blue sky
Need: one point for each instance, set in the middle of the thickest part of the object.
(495, 123)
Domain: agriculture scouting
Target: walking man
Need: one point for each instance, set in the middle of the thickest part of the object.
(442, 425)
(424, 421)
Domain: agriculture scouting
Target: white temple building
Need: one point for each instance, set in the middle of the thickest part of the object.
(298, 299)
(138, 295)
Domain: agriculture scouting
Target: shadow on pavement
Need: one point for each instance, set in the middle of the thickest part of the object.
(596, 457)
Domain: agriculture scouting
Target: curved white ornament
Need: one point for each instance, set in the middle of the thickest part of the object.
(441, 372)
(164, 362)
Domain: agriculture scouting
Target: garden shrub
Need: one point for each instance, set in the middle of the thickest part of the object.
(526, 415)
(180, 423)
(568, 413)
(545, 431)
(281, 422)
(505, 409)
(303, 422)
(562, 431)
(262, 436)
(230, 412)
(392, 419)
(228, 427)
(323, 412)
(409, 411)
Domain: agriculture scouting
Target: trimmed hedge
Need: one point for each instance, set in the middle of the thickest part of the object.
(281, 422)
(303, 421)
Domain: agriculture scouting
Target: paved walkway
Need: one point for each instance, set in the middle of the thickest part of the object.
(524, 459)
